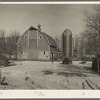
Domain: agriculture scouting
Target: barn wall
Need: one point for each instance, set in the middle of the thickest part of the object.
(43, 47)
(32, 54)
(42, 42)
(22, 47)
(31, 48)
(23, 55)
(28, 45)
(32, 39)
(23, 44)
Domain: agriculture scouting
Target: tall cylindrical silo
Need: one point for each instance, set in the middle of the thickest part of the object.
(67, 43)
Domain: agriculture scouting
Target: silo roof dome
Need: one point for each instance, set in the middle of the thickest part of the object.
(67, 32)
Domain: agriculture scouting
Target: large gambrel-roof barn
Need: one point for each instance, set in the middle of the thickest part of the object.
(36, 45)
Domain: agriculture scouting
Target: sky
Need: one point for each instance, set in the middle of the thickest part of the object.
(53, 18)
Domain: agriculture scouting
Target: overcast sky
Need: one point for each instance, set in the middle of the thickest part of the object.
(54, 18)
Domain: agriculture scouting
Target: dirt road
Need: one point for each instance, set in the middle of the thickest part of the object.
(47, 75)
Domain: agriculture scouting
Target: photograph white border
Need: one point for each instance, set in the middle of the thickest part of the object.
(67, 2)
(8, 94)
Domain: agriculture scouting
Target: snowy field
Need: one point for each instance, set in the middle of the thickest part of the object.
(48, 75)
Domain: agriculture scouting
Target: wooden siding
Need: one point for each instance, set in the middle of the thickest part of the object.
(32, 55)
(43, 55)
(42, 43)
(23, 45)
(32, 39)
(31, 48)
(43, 47)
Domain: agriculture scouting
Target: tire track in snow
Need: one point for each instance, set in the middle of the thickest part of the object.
(92, 84)
(89, 84)
(83, 85)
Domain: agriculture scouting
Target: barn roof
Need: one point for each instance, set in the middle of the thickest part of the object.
(49, 39)
(32, 28)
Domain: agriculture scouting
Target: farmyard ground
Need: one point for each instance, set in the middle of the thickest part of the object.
(47, 75)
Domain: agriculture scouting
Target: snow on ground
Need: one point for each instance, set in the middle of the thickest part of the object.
(48, 75)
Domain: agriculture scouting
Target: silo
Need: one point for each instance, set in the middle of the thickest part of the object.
(67, 43)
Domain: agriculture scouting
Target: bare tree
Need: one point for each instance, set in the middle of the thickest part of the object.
(92, 30)
(75, 44)
(3, 59)
(8, 44)
(11, 44)
(58, 43)
(2, 42)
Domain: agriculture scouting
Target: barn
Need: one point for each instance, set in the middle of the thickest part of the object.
(36, 45)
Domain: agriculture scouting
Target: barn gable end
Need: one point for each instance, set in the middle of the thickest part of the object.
(35, 45)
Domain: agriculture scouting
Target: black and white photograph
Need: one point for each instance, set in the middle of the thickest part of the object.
(49, 46)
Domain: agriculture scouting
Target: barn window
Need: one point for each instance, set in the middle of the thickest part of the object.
(25, 37)
(40, 37)
(44, 52)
